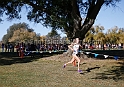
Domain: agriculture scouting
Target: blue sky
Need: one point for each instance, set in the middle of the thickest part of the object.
(107, 17)
(111, 16)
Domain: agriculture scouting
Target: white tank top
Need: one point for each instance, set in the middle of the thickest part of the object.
(75, 48)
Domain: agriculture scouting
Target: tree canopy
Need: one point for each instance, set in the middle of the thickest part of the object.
(19, 33)
(53, 33)
(114, 35)
(74, 17)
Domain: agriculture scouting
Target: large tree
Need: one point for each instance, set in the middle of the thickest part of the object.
(23, 35)
(19, 32)
(74, 17)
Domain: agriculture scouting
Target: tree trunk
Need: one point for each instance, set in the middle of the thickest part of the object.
(76, 19)
(81, 29)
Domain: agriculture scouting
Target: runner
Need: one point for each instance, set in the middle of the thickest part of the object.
(74, 54)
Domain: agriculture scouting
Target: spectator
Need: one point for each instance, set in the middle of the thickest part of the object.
(17, 47)
(38, 47)
(8, 47)
(3, 47)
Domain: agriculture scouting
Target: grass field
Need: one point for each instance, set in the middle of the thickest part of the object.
(48, 72)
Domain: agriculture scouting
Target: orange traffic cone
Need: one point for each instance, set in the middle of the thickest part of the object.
(74, 63)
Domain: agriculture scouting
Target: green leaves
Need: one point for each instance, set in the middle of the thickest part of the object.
(114, 35)
(15, 29)
(58, 14)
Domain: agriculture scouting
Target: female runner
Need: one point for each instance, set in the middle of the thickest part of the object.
(75, 48)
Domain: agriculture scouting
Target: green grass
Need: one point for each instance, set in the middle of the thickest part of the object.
(48, 72)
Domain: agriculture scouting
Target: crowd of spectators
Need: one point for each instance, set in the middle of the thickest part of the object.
(103, 46)
(9, 47)
(32, 47)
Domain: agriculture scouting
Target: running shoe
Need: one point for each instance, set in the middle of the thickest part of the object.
(79, 71)
(64, 65)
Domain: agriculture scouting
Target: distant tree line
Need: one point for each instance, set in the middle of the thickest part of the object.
(114, 35)
(21, 32)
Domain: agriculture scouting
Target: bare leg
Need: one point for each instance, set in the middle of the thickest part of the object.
(78, 60)
(74, 58)
(70, 61)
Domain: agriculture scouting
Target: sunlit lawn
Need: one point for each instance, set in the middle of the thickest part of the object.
(48, 72)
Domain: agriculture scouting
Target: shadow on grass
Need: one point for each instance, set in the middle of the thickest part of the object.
(89, 69)
(8, 58)
(14, 60)
(116, 73)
